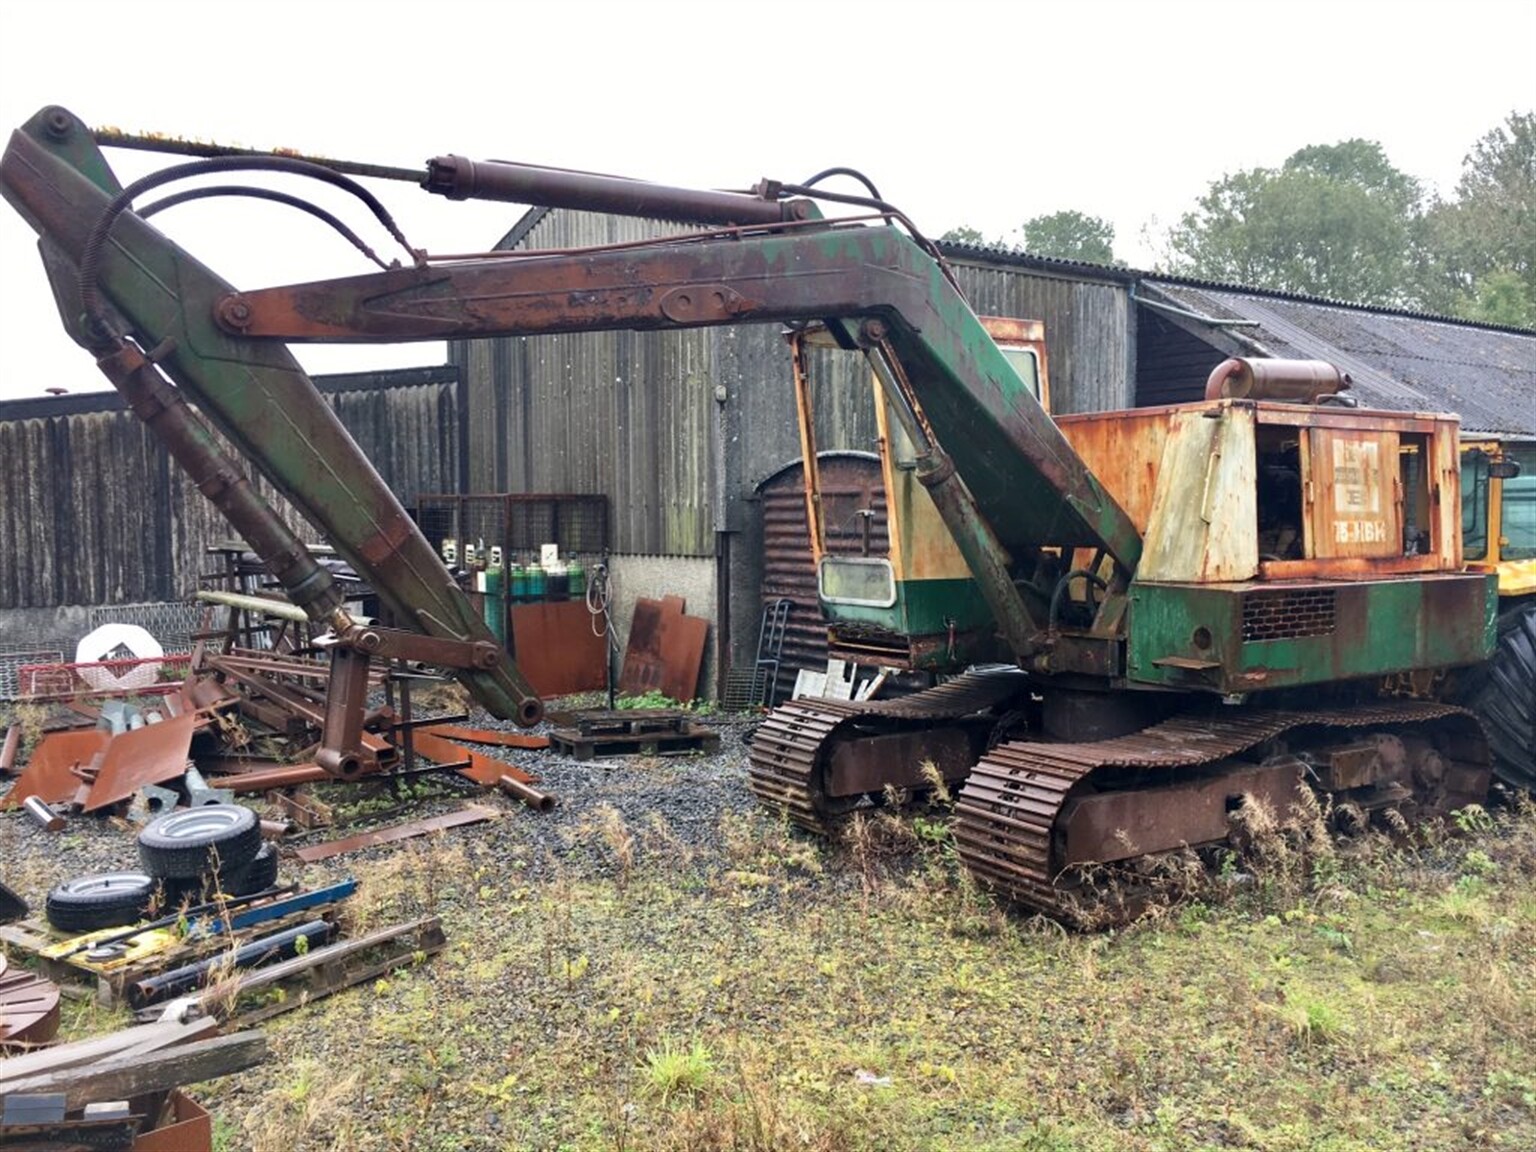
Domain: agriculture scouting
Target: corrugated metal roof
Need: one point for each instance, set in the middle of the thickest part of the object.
(1399, 360)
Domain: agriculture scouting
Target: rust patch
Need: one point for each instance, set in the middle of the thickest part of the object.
(50, 775)
(470, 814)
(152, 754)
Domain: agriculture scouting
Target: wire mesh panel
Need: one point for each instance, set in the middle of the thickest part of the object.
(11, 664)
(519, 524)
(172, 624)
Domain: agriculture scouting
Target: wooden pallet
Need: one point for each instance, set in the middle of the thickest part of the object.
(34, 938)
(259, 994)
(630, 721)
(638, 737)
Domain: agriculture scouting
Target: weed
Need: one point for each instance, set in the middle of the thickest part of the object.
(672, 1071)
(620, 840)
(305, 1107)
(1473, 818)
(1309, 1019)
(644, 701)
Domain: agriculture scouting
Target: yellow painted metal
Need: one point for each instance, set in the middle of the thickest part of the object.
(1203, 526)
(150, 942)
(921, 547)
(1516, 577)
(805, 414)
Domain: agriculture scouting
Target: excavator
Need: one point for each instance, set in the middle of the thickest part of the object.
(1171, 613)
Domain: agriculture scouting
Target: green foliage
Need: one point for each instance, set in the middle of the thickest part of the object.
(672, 1071)
(964, 235)
(1479, 250)
(1339, 220)
(653, 699)
(1071, 235)
(1333, 220)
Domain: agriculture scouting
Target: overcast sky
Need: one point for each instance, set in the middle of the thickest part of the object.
(962, 112)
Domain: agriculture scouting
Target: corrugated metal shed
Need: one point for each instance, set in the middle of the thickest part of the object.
(92, 510)
(1398, 360)
(676, 428)
(1086, 309)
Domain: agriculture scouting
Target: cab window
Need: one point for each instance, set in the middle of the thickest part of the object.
(1517, 506)
(1474, 504)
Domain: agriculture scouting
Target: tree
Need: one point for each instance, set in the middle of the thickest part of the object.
(1071, 235)
(1478, 251)
(964, 235)
(1334, 220)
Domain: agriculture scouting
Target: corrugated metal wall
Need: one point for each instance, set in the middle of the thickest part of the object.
(847, 481)
(1088, 329)
(92, 511)
(643, 418)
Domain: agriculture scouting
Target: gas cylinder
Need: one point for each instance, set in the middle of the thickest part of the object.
(557, 582)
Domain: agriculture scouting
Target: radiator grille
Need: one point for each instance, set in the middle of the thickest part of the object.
(1284, 614)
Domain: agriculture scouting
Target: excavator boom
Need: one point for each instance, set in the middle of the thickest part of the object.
(1002, 475)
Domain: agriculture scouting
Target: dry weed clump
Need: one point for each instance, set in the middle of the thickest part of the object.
(309, 1108)
(409, 883)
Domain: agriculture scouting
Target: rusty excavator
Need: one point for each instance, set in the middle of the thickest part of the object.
(1167, 612)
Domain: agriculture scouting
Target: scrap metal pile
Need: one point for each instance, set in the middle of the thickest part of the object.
(261, 711)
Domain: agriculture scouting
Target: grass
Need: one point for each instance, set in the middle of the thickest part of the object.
(774, 993)
(769, 992)
(673, 1071)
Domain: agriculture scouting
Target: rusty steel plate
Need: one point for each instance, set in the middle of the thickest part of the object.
(556, 649)
(665, 650)
(29, 1009)
(483, 770)
(152, 754)
(489, 736)
(48, 774)
(469, 814)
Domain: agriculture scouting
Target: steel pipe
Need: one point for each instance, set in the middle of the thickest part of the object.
(538, 801)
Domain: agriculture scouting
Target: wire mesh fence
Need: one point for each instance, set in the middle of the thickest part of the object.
(173, 624)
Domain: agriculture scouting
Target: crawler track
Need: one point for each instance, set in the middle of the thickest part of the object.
(1008, 815)
(790, 749)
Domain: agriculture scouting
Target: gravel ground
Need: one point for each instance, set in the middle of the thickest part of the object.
(679, 799)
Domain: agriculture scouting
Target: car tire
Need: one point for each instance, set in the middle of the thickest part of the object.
(187, 844)
(103, 900)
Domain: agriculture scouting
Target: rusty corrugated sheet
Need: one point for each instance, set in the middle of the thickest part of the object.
(849, 482)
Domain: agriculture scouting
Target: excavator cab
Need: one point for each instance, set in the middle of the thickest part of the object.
(907, 600)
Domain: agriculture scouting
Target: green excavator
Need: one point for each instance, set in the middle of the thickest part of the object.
(1171, 613)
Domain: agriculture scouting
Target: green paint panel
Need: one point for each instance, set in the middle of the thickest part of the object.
(922, 608)
(1261, 636)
